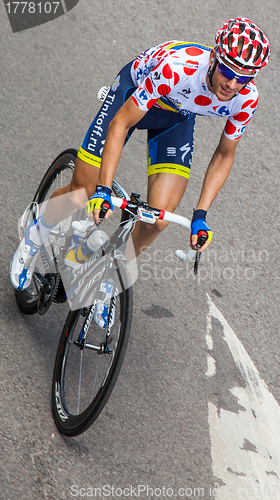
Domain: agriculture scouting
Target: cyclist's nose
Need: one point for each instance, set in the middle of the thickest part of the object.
(232, 84)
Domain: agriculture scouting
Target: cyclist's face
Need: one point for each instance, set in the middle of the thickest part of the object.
(224, 88)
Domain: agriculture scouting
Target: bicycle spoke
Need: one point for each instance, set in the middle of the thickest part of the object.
(89, 355)
(94, 383)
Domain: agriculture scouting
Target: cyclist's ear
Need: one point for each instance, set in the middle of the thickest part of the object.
(212, 56)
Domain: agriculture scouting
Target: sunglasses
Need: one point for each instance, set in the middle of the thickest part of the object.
(229, 74)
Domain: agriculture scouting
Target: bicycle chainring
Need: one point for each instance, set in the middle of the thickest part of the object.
(47, 293)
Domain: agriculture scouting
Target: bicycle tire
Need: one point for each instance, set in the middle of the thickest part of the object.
(27, 299)
(76, 407)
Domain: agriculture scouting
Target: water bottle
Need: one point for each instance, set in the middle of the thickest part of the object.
(82, 249)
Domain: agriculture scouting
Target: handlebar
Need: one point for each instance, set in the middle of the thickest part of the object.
(145, 213)
(159, 214)
(162, 215)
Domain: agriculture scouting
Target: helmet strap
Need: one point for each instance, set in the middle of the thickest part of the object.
(211, 71)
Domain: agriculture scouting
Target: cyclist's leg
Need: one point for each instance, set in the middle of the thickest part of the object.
(165, 191)
(169, 162)
(65, 201)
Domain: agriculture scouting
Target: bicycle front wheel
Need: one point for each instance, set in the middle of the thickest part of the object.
(87, 364)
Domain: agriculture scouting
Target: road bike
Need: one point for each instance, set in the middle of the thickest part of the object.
(89, 357)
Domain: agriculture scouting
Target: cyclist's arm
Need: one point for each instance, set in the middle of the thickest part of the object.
(216, 175)
(127, 116)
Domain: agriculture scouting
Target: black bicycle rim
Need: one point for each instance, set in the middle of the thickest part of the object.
(73, 424)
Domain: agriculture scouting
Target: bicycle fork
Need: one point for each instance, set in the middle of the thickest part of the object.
(103, 347)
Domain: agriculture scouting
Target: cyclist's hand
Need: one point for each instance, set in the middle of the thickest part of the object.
(199, 224)
(100, 201)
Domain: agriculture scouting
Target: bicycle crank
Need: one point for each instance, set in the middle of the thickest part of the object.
(48, 288)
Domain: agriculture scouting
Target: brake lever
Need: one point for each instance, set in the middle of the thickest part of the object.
(202, 238)
(104, 209)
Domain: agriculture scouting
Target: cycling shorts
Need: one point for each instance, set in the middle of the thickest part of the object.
(170, 134)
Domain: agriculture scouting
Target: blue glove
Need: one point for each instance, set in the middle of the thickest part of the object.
(101, 200)
(199, 224)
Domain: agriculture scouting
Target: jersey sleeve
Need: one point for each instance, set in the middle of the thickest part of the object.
(247, 104)
(159, 82)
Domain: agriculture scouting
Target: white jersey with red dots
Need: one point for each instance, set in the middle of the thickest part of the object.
(172, 76)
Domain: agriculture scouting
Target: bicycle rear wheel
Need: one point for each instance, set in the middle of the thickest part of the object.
(88, 363)
(57, 176)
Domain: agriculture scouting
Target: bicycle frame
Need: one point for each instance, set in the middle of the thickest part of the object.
(80, 282)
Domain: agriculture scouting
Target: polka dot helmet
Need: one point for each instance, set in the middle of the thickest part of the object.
(243, 44)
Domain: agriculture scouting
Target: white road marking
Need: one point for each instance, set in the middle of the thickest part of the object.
(245, 446)
(211, 366)
(209, 341)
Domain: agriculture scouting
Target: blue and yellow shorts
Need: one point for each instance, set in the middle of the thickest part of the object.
(170, 134)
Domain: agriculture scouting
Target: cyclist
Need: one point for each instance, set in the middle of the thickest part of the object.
(162, 91)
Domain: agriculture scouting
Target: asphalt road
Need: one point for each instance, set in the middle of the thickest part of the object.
(177, 413)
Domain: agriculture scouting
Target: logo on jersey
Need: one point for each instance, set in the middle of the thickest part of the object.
(101, 150)
(171, 151)
(176, 102)
(185, 112)
(185, 149)
(185, 93)
(139, 74)
(221, 110)
(141, 97)
(156, 75)
(116, 83)
(189, 65)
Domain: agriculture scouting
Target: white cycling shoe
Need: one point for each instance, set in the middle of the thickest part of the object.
(23, 263)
